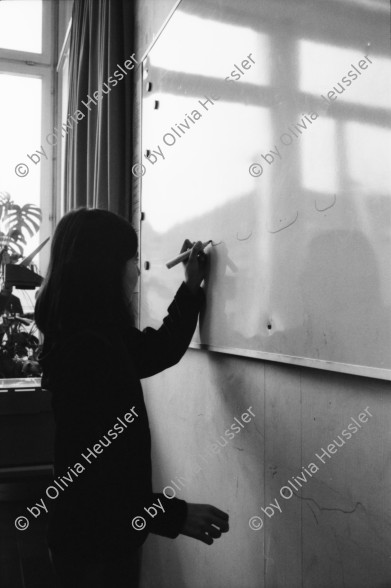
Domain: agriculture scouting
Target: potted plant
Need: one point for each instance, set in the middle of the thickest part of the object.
(19, 346)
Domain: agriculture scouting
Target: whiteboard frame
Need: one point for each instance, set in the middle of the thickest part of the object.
(320, 364)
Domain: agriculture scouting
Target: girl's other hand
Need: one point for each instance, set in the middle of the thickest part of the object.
(195, 266)
(205, 522)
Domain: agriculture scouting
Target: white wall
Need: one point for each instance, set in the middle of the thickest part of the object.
(335, 533)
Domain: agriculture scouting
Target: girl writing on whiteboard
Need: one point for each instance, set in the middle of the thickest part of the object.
(93, 358)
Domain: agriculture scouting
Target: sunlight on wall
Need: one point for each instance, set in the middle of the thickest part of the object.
(319, 160)
(324, 67)
(205, 188)
(211, 59)
(364, 142)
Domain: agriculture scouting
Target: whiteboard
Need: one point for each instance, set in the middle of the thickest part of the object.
(246, 141)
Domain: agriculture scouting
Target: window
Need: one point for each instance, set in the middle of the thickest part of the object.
(26, 111)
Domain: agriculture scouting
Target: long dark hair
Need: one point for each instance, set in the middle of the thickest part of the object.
(83, 285)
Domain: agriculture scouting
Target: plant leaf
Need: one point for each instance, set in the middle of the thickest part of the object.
(27, 218)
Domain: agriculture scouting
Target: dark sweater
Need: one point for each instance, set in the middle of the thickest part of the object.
(94, 378)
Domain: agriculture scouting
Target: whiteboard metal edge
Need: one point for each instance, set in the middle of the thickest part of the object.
(155, 39)
(321, 364)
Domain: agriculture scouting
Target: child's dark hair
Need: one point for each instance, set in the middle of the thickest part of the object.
(83, 285)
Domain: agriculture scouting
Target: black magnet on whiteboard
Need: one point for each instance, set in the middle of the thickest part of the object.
(146, 265)
(142, 216)
(147, 153)
(156, 105)
(149, 86)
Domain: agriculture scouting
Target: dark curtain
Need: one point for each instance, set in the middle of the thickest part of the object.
(98, 152)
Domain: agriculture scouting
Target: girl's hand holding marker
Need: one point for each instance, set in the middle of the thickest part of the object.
(194, 259)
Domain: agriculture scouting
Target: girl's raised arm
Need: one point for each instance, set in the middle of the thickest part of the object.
(154, 350)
